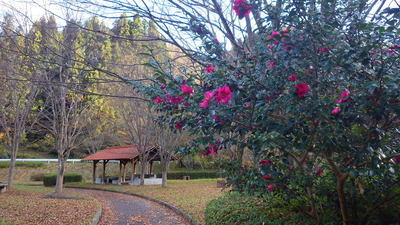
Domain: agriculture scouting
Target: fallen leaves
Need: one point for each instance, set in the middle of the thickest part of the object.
(29, 207)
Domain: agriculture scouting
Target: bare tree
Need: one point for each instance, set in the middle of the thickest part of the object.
(167, 140)
(18, 92)
(140, 127)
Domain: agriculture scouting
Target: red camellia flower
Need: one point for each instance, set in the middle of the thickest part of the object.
(336, 110)
(178, 126)
(174, 99)
(209, 69)
(319, 172)
(223, 95)
(292, 77)
(242, 8)
(265, 162)
(267, 177)
(207, 97)
(186, 90)
(162, 86)
(216, 41)
(157, 100)
(270, 187)
(324, 49)
(301, 89)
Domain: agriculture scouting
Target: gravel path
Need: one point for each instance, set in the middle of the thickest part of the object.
(125, 209)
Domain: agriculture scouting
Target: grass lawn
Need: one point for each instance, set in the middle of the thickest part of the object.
(29, 205)
(190, 196)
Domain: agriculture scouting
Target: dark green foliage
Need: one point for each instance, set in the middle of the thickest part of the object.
(199, 174)
(50, 179)
(240, 208)
(22, 164)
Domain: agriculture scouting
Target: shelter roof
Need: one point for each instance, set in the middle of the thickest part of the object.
(114, 153)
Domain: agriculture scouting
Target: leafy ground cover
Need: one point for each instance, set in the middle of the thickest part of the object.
(31, 205)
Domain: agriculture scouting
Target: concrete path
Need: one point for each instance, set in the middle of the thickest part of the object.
(122, 209)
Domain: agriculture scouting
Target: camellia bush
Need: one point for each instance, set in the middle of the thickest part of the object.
(314, 96)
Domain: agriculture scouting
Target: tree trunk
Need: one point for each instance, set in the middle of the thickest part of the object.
(60, 176)
(164, 172)
(10, 175)
(164, 177)
(340, 179)
(143, 168)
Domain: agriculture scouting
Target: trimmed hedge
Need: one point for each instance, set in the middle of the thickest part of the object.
(195, 174)
(22, 164)
(240, 208)
(51, 178)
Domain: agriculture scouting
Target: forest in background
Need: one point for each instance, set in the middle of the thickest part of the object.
(84, 53)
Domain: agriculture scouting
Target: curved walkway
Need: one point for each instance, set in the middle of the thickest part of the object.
(119, 208)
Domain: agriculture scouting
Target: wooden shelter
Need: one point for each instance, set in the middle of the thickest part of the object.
(124, 154)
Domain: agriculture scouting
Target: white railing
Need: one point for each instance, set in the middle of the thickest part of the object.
(41, 160)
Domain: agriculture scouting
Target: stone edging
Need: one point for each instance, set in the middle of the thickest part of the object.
(97, 216)
(173, 208)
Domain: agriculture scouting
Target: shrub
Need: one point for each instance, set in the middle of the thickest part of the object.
(195, 174)
(50, 179)
(240, 208)
(37, 177)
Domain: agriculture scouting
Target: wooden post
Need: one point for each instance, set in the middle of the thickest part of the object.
(120, 172)
(103, 176)
(151, 167)
(124, 171)
(94, 171)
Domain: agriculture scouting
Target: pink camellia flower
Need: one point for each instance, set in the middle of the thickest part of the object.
(207, 97)
(162, 86)
(287, 48)
(309, 70)
(186, 90)
(178, 126)
(343, 95)
(271, 64)
(292, 77)
(184, 81)
(267, 177)
(186, 104)
(209, 69)
(270, 187)
(274, 33)
(210, 151)
(204, 104)
(223, 95)
(319, 172)
(336, 110)
(242, 8)
(216, 41)
(265, 162)
(157, 100)
(301, 89)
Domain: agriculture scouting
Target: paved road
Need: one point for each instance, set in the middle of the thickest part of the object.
(125, 209)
